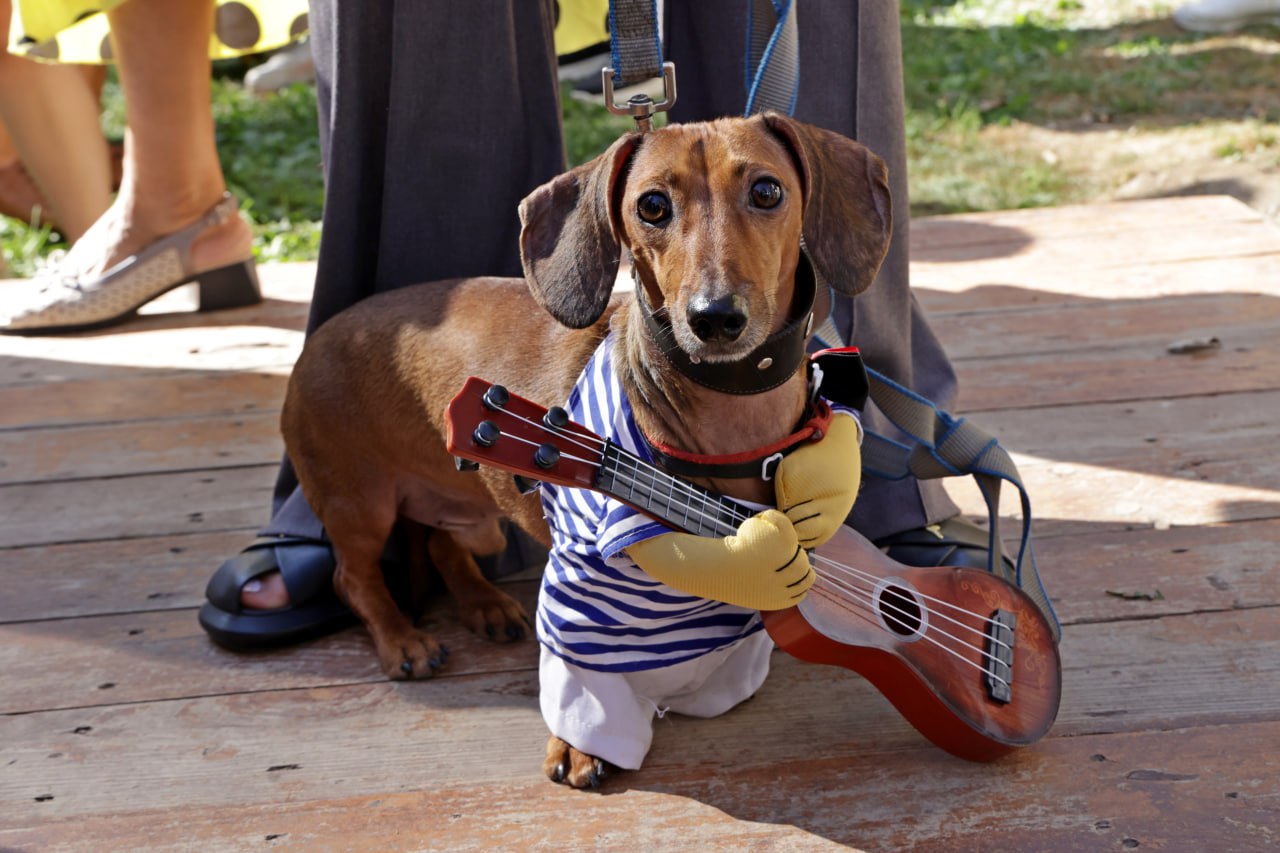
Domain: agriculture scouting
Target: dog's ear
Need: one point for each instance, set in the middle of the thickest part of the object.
(848, 217)
(570, 237)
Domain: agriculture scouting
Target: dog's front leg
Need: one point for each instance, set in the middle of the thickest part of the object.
(482, 607)
(573, 768)
(403, 650)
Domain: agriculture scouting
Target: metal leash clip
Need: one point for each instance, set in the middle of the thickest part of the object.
(641, 107)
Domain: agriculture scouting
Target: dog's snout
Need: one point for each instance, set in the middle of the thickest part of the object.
(720, 319)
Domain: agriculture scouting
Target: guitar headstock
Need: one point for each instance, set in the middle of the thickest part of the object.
(491, 426)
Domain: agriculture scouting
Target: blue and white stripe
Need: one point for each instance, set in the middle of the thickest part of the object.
(597, 609)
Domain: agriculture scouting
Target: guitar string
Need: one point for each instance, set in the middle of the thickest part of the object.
(865, 576)
(861, 596)
(734, 512)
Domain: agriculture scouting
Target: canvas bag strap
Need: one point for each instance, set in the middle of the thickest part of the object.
(946, 446)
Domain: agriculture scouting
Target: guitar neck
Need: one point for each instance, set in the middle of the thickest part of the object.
(673, 501)
(488, 425)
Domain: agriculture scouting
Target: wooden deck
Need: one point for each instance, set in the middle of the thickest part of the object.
(133, 461)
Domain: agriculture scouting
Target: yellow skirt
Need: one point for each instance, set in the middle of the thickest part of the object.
(76, 30)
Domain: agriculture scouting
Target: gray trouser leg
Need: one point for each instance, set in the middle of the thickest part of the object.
(408, 110)
(436, 118)
(850, 82)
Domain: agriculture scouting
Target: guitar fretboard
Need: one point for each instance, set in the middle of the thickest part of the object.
(682, 505)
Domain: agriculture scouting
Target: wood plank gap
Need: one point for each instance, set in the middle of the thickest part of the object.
(268, 691)
(129, 538)
(1108, 401)
(1144, 617)
(166, 419)
(133, 475)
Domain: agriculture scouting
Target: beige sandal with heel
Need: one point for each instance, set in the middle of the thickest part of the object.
(66, 304)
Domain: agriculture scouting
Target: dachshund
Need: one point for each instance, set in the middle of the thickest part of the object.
(720, 221)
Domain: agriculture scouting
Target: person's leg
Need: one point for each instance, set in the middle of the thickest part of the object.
(52, 117)
(851, 83)
(422, 181)
(172, 175)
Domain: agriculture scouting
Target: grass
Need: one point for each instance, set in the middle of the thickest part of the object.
(1004, 100)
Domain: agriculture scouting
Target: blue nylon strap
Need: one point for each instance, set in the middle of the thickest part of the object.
(773, 57)
(634, 41)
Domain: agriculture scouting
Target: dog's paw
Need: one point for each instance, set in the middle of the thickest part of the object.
(413, 654)
(568, 766)
(494, 614)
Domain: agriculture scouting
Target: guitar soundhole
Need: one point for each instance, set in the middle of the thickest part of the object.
(899, 609)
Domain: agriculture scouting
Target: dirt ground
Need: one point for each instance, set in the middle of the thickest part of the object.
(1236, 159)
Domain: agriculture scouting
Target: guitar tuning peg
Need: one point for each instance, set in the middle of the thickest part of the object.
(496, 398)
(556, 418)
(465, 464)
(486, 433)
(546, 456)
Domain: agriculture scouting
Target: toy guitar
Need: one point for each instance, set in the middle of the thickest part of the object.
(965, 657)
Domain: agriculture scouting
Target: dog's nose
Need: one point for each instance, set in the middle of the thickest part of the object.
(720, 319)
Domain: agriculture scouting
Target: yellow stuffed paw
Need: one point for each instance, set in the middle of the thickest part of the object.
(816, 484)
(762, 566)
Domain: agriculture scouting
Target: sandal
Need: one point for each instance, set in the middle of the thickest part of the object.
(64, 303)
(314, 609)
(957, 541)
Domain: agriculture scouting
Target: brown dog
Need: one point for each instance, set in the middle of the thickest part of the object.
(712, 215)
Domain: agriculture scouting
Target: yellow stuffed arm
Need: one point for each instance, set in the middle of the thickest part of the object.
(815, 485)
(761, 567)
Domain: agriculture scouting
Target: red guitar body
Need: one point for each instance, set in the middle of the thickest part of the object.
(937, 684)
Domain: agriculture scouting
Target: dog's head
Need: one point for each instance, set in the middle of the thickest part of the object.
(712, 214)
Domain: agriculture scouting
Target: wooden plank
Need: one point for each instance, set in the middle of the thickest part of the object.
(1105, 248)
(942, 289)
(372, 739)
(1079, 500)
(1144, 461)
(1189, 789)
(1194, 568)
(1147, 435)
(114, 450)
(1095, 325)
(1072, 222)
(1133, 676)
(1250, 363)
(270, 337)
(164, 654)
(1109, 576)
(142, 396)
(113, 576)
(126, 507)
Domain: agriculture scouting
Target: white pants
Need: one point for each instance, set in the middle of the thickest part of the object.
(610, 714)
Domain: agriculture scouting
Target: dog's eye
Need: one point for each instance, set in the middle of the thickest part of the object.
(766, 193)
(654, 208)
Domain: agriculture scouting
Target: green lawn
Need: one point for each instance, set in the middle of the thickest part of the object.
(986, 80)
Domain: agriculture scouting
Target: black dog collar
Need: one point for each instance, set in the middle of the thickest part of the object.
(767, 366)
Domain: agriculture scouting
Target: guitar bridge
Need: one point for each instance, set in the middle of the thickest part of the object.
(998, 667)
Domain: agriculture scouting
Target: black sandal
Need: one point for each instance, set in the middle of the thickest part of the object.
(307, 568)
